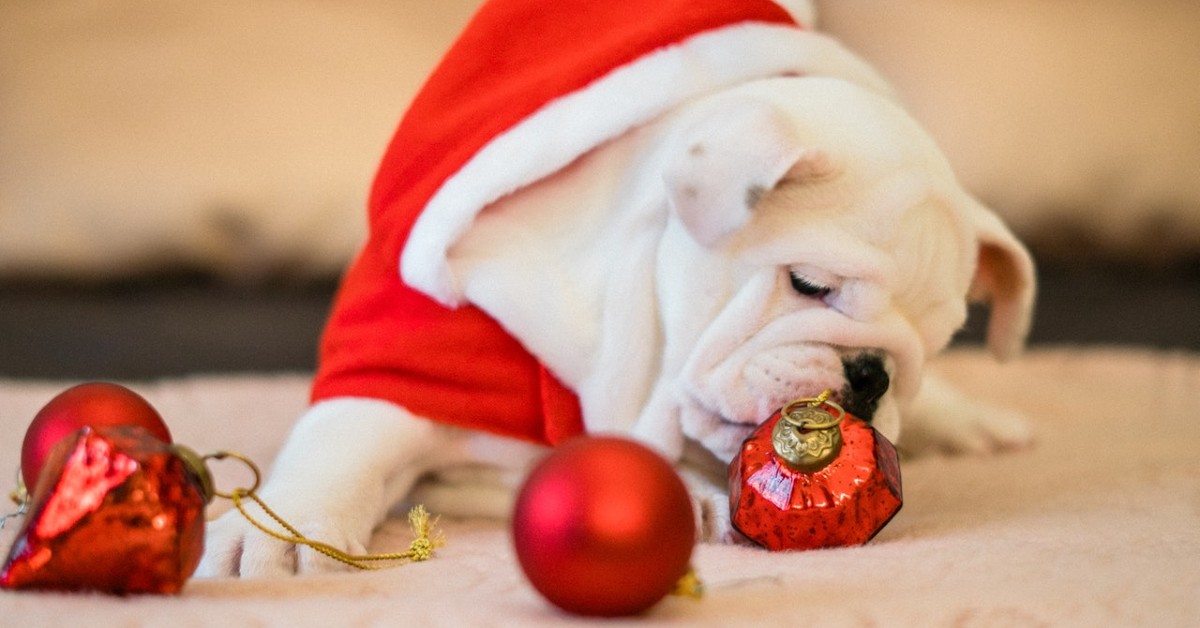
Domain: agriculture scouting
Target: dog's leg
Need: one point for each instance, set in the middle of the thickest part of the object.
(705, 478)
(485, 484)
(344, 465)
(943, 419)
(711, 504)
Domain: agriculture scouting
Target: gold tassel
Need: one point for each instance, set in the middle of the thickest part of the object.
(689, 585)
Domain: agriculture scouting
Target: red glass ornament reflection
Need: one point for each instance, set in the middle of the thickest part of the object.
(95, 404)
(843, 494)
(115, 510)
(604, 526)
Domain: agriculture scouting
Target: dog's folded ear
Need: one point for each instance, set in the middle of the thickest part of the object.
(1005, 279)
(727, 160)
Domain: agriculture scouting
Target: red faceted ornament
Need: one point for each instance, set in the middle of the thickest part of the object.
(95, 404)
(604, 526)
(814, 476)
(115, 510)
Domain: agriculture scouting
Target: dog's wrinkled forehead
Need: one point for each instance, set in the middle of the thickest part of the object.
(843, 183)
(898, 235)
(905, 255)
(838, 183)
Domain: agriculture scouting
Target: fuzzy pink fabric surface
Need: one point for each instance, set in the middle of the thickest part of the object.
(1097, 524)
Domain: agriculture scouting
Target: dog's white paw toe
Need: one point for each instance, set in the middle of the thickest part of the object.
(944, 420)
(710, 504)
(970, 430)
(224, 544)
(713, 524)
(266, 557)
(235, 548)
(308, 560)
(222, 551)
(1000, 430)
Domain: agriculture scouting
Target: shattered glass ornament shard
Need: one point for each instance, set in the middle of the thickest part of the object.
(115, 510)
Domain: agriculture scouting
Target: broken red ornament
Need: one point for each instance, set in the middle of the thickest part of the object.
(94, 404)
(814, 476)
(115, 510)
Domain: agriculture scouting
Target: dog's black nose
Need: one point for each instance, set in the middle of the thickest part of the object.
(867, 380)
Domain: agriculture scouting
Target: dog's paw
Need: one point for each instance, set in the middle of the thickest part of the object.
(236, 548)
(713, 523)
(710, 504)
(946, 421)
(345, 464)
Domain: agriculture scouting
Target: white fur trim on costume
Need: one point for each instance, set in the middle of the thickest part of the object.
(630, 95)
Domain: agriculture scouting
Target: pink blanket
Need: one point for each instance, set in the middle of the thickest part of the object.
(1099, 524)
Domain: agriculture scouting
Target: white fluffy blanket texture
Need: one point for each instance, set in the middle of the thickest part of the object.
(1097, 525)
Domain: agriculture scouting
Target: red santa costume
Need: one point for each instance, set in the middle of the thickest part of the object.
(529, 86)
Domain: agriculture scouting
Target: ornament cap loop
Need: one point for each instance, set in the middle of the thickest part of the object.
(221, 455)
(808, 436)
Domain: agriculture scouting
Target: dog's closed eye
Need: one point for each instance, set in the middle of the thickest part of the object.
(808, 287)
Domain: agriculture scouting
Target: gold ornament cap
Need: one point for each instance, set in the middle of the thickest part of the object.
(198, 465)
(807, 436)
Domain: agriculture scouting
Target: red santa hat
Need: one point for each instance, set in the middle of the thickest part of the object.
(528, 87)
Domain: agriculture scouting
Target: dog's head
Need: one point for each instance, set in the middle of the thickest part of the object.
(817, 239)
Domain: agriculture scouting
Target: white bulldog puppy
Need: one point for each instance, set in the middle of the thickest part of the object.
(685, 280)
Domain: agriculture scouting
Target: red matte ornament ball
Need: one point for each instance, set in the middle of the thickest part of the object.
(604, 526)
(94, 404)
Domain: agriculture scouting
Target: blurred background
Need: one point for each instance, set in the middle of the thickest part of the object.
(182, 183)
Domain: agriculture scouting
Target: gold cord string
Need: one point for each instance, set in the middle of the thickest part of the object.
(419, 520)
(421, 548)
(20, 497)
(22, 505)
